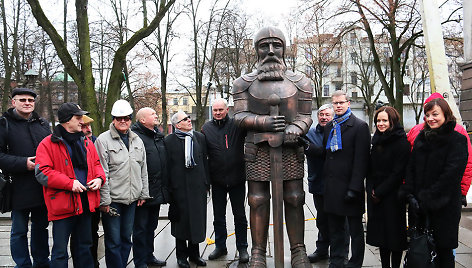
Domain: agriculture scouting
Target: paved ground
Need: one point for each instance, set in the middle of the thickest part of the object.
(165, 243)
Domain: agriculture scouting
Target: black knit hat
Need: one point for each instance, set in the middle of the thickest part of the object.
(67, 110)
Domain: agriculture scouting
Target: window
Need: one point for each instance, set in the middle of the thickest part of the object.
(176, 101)
(354, 95)
(326, 90)
(353, 57)
(338, 86)
(338, 71)
(407, 70)
(386, 52)
(337, 52)
(60, 96)
(309, 71)
(354, 78)
(406, 89)
(308, 54)
(185, 101)
(353, 38)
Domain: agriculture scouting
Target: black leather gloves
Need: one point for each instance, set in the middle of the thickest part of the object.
(464, 200)
(414, 206)
(351, 195)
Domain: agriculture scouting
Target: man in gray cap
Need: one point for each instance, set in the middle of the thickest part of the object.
(21, 130)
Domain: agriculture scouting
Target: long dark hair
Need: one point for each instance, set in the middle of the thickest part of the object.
(393, 116)
(441, 103)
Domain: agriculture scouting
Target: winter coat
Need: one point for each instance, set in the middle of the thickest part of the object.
(386, 221)
(225, 145)
(156, 163)
(24, 136)
(55, 172)
(126, 169)
(467, 177)
(315, 160)
(433, 176)
(346, 169)
(188, 188)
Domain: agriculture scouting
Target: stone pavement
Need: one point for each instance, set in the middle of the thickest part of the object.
(165, 243)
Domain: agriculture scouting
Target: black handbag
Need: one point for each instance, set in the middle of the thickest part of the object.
(421, 249)
(5, 193)
(5, 184)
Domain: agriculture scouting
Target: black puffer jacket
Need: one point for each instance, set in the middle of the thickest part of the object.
(225, 145)
(156, 163)
(21, 142)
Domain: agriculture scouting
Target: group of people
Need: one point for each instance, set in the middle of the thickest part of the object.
(429, 170)
(73, 179)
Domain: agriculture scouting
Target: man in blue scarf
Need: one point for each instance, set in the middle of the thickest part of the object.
(347, 143)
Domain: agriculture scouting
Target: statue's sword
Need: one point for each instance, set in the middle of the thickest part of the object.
(275, 140)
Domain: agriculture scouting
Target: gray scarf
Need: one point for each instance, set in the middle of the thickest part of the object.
(187, 136)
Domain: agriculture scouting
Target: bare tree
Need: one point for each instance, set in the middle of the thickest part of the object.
(83, 75)
(9, 38)
(204, 34)
(160, 50)
(400, 25)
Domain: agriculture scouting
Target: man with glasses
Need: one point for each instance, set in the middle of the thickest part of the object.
(21, 131)
(188, 185)
(347, 143)
(123, 157)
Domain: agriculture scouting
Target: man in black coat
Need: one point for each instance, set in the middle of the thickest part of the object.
(347, 143)
(188, 185)
(225, 145)
(147, 216)
(21, 131)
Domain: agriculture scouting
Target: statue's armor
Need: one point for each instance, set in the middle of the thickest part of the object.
(251, 100)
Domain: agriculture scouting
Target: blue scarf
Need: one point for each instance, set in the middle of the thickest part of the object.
(334, 140)
(188, 147)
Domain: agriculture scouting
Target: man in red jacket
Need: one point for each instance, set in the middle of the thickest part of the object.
(467, 177)
(68, 167)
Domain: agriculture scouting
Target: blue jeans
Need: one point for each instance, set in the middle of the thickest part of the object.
(39, 237)
(145, 223)
(118, 230)
(237, 195)
(80, 228)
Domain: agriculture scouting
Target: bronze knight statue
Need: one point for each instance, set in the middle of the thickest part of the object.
(274, 105)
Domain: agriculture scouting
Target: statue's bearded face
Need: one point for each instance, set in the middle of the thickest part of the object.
(271, 66)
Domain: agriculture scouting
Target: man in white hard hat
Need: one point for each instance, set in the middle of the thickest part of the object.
(123, 157)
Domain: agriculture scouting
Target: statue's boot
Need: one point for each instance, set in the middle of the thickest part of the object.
(299, 257)
(294, 199)
(259, 203)
(258, 258)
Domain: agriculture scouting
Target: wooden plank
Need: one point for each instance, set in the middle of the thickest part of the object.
(466, 84)
(465, 105)
(466, 95)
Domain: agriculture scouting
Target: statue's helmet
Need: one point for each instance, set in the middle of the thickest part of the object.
(269, 32)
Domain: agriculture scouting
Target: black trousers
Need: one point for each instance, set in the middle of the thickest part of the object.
(94, 248)
(322, 244)
(237, 195)
(337, 236)
(185, 249)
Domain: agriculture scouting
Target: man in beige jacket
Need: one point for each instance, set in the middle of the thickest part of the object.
(123, 157)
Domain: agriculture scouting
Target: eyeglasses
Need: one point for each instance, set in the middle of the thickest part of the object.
(122, 118)
(339, 103)
(25, 100)
(184, 119)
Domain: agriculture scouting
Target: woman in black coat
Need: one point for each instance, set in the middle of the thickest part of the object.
(433, 178)
(386, 224)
